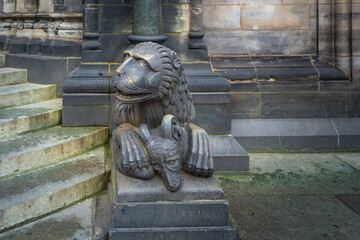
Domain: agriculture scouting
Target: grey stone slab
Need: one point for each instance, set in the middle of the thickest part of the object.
(70, 223)
(325, 46)
(349, 132)
(61, 48)
(193, 188)
(335, 104)
(287, 73)
(85, 99)
(354, 104)
(72, 64)
(215, 119)
(294, 217)
(294, 174)
(171, 214)
(221, 17)
(244, 86)
(331, 73)
(281, 61)
(245, 105)
(238, 74)
(225, 62)
(41, 69)
(356, 38)
(228, 154)
(352, 201)
(353, 159)
(303, 42)
(274, 86)
(198, 70)
(101, 216)
(76, 116)
(252, 42)
(115, 13)
(211, 98)
(201, 233)
(342, 42)
(113, 46)
(285, 134)
(292, 105)
(208, 84)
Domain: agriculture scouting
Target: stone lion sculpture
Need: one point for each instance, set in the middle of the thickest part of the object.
(151, 88)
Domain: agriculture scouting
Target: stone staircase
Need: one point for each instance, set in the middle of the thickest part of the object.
(45, 168)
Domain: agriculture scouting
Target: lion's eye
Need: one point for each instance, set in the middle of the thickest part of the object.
(142, 64)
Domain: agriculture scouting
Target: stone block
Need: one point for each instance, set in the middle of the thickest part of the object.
(18, 45)
(221, 2)
(239, 73)
(61, 48)
(171, 214)
(228, 155)
(325, 16)
(285, 134)
(342, 16)
(211, 98)
(221, 17)
(85, 99)
(192, 189)
(245, 105)
(247, 42)
(34, 46)
(226, 62)
(287, 73)
(354, 104)
(274, 17)
(303, 42)
(355, 40)
(292, 105)
(349, 133)
(342, 41)
(244, 86)
(115, 13)
(355, 15)
(215, 119)
(175, 18)
(75, 116)
(112, 47)
(293, 86)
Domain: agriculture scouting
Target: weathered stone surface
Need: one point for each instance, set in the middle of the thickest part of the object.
(71, 223)
(45, 190)
(214, 119)
(30, 117)
(252, 42)
(221, 17)
(275, 17)
(12, 76)
(74, 116)
(25, 93)
(245, 105)
(175, 18)
(41, 148)
(303, 42)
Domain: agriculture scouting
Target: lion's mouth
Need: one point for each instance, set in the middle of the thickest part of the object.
(133, 98)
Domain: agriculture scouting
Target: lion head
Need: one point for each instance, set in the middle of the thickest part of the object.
(153, 73)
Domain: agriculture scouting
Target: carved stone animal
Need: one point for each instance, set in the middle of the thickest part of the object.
(150, 84)
(166, 147)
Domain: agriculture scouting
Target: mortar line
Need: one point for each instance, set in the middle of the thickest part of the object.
(337, 132)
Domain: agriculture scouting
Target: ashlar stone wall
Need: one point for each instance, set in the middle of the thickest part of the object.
(271, 27)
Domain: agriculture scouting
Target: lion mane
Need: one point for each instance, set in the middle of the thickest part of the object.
(173, 93)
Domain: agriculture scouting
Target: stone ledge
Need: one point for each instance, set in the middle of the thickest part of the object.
(297, 135)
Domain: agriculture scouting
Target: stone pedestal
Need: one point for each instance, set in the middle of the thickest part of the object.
(147, 210)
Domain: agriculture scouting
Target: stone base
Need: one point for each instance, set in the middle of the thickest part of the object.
(147, 210)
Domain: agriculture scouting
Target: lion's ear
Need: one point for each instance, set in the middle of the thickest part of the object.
(176, 60)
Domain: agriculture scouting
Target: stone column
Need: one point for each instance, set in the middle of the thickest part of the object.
(91, 48)
(147, 22)
(196, 33)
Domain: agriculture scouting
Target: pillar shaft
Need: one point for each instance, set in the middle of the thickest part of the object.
(147, 17)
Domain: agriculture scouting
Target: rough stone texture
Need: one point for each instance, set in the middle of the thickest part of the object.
(12, 76)
(30, 117)
(221, 17)
(42, 191)
(41, 148)
(25, 93)
(2, 60)
(85, 116)
(71, 223)
(298, 195)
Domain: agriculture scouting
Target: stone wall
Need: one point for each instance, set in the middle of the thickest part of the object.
(275, 27)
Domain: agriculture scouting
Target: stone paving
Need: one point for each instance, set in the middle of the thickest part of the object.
(297, 196)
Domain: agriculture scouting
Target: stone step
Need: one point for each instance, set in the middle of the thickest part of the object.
(41, 148)
(71, 223)
(297, 135)
(25, 93)
(12, 76)
(2, 60)
(30, 117)
(42, 191)
(199, 233)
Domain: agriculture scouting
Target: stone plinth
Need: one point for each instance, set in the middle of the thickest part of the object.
(147, 210)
